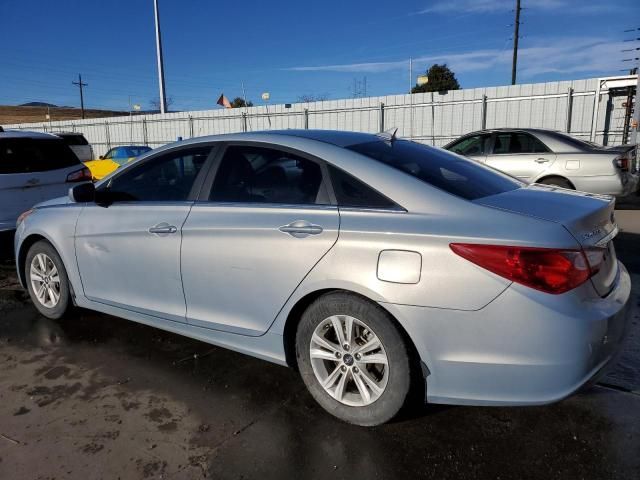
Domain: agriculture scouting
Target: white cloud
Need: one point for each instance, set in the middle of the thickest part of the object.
(560, 55)
(495, 6)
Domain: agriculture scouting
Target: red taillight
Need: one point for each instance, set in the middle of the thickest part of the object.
(547, 269)
(623, 163)
(82, 175)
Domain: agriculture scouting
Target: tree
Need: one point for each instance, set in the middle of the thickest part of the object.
(155, 103)
(440, 77)
(239, 102)
(313, 97)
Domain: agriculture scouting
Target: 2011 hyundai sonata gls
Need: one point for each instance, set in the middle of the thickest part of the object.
(373, 265)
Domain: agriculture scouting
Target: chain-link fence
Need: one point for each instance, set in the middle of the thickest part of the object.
(591, 109)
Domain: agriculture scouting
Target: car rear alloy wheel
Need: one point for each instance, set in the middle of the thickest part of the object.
(354, 359)
(47, 280)
(349, 360)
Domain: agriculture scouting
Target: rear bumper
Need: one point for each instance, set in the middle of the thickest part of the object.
(524, 348)
(620, 184)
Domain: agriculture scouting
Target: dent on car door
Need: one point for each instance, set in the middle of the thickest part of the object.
(261, 227)
(520, 154)
(128, 246)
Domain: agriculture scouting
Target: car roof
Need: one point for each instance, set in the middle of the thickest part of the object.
(131, 146)
(335, 137)
(26, 134)
(512, 129)
(69, 134)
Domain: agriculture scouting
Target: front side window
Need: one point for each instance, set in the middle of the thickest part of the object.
(250, 174)
(454, 174)
(169, 177)
(30, 155)
(471, 146)
(109, 154)
(515, 143)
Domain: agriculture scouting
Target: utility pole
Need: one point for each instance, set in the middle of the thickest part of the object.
(635, 137)
(163, 98)
(80, 85)
(516, 35)
(410, 98)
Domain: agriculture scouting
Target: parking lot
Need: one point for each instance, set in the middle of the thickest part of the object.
(94, 396)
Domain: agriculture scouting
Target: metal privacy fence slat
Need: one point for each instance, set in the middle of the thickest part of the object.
(591, 109)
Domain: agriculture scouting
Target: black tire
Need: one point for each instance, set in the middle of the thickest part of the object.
(557, 182)
(64, 303)
(396, 392)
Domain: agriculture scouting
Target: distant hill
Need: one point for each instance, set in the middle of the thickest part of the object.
(38, 104)
(35, 112)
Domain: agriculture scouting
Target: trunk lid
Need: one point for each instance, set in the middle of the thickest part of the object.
(588, 217)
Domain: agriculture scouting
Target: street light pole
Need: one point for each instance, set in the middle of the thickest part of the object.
(163, 98)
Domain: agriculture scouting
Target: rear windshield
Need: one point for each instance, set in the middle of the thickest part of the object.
(456, 175)
(26, 155)
(71, 139)
(575, 142)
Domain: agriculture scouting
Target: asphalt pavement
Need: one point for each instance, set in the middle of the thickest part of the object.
(94, 396)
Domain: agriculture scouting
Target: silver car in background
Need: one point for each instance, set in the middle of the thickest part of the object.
(374, 266)
(553, 158)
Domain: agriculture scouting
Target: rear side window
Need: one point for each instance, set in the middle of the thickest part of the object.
(266, 175)
(351, 192)
(514, 143)
(456, 175)
(29, 155)
(74, 139)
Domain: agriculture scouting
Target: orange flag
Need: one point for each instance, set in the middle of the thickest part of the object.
(224, 102)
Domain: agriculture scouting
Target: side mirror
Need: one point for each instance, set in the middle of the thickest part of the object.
(82, 193)
(101, 157)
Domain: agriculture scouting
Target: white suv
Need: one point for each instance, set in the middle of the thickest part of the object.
(34, 167)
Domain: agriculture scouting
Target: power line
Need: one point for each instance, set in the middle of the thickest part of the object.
(80, 85)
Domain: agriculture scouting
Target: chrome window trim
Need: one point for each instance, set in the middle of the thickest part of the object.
(286, 206)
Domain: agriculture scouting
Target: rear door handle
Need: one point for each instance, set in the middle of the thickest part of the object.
(163, 229)
(542, 160)
(301, 229)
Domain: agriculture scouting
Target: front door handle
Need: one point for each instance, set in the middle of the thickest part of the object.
(301, 229)
(163, 229)
(542, 160)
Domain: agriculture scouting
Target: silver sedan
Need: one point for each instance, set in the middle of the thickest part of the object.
(374, 266)
(553, 158)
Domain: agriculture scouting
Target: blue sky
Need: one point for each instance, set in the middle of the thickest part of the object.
(294, 48)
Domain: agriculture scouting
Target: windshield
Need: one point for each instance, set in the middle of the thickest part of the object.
(137, 151)
(454, 174)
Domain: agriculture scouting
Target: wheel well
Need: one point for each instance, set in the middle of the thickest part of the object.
(293, 319)
(540, 180)
(22, 256)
